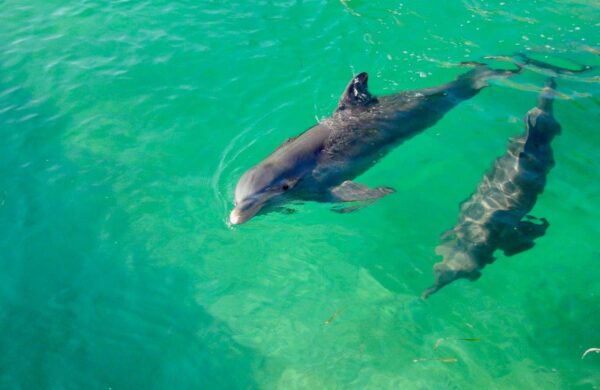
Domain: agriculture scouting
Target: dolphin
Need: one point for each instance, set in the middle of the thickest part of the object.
(495, 216)
(525, 60)
(320, 163)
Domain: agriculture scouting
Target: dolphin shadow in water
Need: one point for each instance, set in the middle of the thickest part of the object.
(319, 164)
(495, 216)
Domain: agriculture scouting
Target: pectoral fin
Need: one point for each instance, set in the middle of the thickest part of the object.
(522, 237)
(352, 192)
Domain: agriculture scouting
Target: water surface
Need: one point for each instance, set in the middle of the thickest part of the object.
(126, 124)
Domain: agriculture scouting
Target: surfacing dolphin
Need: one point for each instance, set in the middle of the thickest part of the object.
(319, 164)
(495, 216)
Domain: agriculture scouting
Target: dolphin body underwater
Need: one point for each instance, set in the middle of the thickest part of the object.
(319, 164)
(495, 216)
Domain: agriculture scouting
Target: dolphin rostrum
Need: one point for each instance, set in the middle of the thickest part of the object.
(495, 216)
(319, 164)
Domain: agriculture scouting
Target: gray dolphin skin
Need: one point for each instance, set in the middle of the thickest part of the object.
(495, 216)
(319, 164)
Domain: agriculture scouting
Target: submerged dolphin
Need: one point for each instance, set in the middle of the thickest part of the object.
(318, 164)
(495, 216)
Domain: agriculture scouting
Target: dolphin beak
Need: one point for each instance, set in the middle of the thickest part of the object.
(237, 217)
(445, 274)
(244, 212)
(443, 277)
(431, 290)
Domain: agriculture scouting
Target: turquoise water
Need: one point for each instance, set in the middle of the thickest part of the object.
(125, 126)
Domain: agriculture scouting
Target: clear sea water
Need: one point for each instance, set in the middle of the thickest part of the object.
(125, 126)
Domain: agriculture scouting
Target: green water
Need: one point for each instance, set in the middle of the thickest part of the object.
(125, 126)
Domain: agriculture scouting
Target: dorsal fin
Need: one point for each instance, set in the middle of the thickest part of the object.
(356, 93)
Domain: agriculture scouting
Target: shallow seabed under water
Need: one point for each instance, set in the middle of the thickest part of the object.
(125, 126)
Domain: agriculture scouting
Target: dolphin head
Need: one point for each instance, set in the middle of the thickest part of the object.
(263, 185)
(460, 266)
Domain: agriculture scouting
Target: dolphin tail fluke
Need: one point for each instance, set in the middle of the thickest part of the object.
(478, 77)
(546, 99)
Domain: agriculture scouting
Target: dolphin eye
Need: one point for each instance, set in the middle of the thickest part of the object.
(286, 187)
